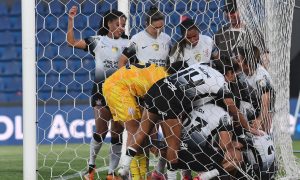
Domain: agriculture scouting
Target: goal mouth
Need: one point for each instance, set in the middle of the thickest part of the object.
(69, 83)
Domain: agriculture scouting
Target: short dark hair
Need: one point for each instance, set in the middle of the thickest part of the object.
(225, 64)
(153, 14)
(230, 6)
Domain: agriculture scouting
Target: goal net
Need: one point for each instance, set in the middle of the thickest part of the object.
(65, 78)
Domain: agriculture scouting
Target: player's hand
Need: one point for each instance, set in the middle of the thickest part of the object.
(154, 150)
(256, 132)
(73, 12)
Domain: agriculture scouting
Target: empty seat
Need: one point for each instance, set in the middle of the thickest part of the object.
(56, 8)
(6, 39)
(51, 51)
(58, 37)
(5, 24)
(104, 6)
(10, 53)
(80, 22)
(65, 51)
(15, 23)
(42, 8)
(16, 9)
(17, 36)
(3, 10)
(51, 22)
(88, 8)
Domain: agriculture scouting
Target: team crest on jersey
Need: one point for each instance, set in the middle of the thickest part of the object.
(155, 47)
(262, 83)
(114, 49)
(198, 57)
(131, 111)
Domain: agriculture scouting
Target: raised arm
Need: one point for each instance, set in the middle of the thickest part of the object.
(70, 34)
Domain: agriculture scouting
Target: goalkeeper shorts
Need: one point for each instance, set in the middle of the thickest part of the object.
(122, 104)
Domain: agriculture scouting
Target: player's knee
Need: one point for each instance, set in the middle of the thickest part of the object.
(117, 140)
(98, 137)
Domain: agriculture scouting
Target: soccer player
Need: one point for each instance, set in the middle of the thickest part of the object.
(257, 77)
(150, 45)
(193, 47)
(236, 33)
(171, 98)
(106, 47)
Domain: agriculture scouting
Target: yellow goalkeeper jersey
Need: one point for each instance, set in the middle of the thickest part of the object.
(121, 89)
(137, 78)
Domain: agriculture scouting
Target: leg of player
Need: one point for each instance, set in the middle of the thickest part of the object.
(135, 142)
(102, 117)
(115, 150)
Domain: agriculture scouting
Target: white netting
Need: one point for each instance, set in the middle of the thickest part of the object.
(66, 74)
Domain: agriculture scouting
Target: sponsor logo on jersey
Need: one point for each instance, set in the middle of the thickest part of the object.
(114, 49)
(131, 111)
(198, 57)
(155, 47)
(183, 146)
(143, 47)
(170, 85)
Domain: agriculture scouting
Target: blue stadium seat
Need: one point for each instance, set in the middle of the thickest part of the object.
(5, 24)
(51, 23)
(10, 53)
(106, 5)
(88, 8)
(80, 22)
(6, 39)
(82, 78)
(15, 23)
(56, 8)
(16, 9)
(166, 6)
(8, 68)
(66, 77)
(58, 37)
(74, 64)
(40, 22)
(59, 64)
(63, 22)
(89, 32)
(17, 38)
(80, 53)
(88, 63)
(74, 89)
(94, 21)
(42, 8)
(44, 65)
(3, 10)
(52, 79)
(65, 51)
(51, 51)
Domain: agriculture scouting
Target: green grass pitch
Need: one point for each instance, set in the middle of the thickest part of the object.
(65, 160)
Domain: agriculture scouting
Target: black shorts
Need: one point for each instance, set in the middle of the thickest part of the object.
(167, 100)
(97, 95)
(199, 158)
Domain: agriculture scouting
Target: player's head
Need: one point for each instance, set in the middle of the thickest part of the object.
(227, 67)
(248, 59)
(231, 12)
(176, 66)
(189, 32)
(155, 21)
(113, 23)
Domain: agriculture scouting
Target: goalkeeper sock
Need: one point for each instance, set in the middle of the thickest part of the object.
(95, 145)
(115, 155)
(171, 174)
(135, 168)
(161, 164)
(126, 161)
(144, 164)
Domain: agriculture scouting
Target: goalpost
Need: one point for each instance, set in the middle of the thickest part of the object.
(57, 79)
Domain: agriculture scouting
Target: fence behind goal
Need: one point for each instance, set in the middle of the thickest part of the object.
(65, 75)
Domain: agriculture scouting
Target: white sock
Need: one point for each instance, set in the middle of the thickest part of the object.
(161, 164)
(114, 159)
(94, 149)
(172, 175)
(125, 165)
(208, 174)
